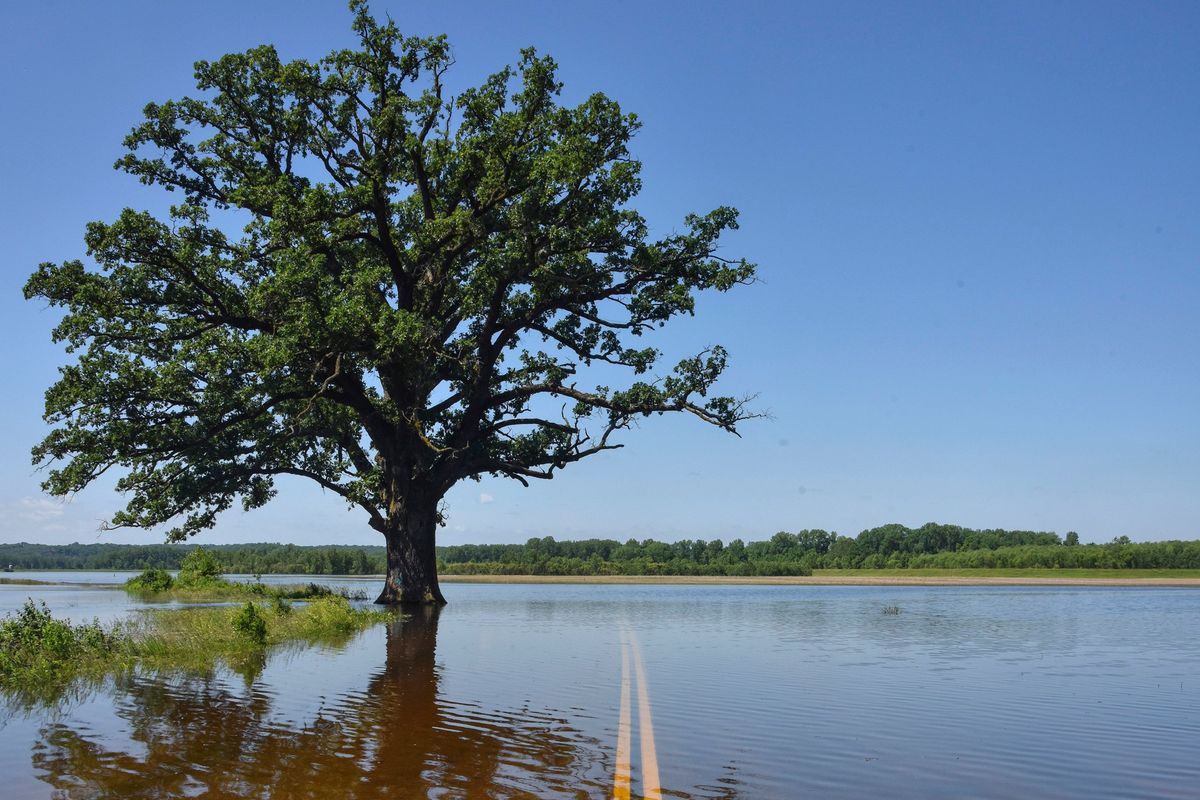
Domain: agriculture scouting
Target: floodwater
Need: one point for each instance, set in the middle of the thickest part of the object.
(674, 691)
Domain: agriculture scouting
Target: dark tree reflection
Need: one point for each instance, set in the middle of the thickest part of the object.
(398, 738)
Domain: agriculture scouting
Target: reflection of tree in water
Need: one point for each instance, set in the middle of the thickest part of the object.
(396, 739)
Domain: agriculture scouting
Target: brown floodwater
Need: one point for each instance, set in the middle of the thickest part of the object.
(655, 691)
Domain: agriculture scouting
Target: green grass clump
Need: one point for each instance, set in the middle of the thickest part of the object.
(332, 617)
(196, 637)
(211, 589)
(200, 579)
(35, 646)
(41, 657)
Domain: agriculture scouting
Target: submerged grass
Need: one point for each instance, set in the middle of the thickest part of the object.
(40, 656)
(199, 580)
(37, 648)
(211, 589)
(190, 637)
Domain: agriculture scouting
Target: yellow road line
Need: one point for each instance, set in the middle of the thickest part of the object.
(621, 780)
(651, 788)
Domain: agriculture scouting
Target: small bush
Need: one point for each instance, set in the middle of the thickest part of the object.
(249, 623)
(200, 568)
(280, 606)
(33, 643)
(150, 581)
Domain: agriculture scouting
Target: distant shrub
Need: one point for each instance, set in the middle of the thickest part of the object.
(151, 580)
(200, 567)
(250, 623)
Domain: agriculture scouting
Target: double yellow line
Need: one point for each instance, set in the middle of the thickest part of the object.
(651, 787)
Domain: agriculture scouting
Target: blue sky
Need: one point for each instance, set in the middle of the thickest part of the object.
(978, 228)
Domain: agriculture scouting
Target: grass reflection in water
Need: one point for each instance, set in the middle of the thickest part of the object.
(397, 738)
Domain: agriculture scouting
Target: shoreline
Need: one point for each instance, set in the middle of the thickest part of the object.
(821, 580)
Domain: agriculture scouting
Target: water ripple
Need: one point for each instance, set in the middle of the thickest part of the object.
(757, 692)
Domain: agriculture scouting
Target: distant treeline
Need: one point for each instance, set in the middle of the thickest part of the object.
(885, 547)
(265, 558)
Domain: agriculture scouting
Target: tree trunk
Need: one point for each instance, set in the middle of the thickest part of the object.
(411, 558)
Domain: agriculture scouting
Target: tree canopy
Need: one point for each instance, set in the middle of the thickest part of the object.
(374, 284)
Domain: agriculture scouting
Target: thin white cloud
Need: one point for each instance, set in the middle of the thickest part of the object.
(484, 497)
(38, 509)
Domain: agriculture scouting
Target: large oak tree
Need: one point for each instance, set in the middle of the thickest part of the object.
(372, 284)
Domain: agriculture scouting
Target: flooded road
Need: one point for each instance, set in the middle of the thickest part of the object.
(656, 691)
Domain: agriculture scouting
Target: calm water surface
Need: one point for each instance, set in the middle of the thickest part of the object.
(752, 692)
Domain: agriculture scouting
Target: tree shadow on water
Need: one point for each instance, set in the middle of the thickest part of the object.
(400, 737)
